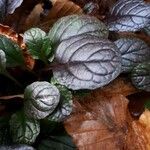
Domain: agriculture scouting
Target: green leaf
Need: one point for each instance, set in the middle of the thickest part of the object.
(23, 129)
(12, 51)
(64, 109)
(141, 76)
(5, 137)
(38, 44)
(59, 142)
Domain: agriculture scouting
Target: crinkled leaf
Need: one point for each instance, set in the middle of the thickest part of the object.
(17, 147)
(134, 51)
(38, 44)
(59, 142)
(86, 62)
(64, 108)
(141, 76)
(41, 99)
(12, 51)
(129, 15)
(2, 60)
(75, 25)
(23, 129)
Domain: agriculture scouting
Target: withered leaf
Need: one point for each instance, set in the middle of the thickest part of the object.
(60, 8)
(17, 38)
(103, 116)
(103, 6)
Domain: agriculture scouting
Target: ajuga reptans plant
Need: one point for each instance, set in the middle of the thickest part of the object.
(81, 56)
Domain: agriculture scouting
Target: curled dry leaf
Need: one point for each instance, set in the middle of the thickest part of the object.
(103, 6)
(103, 116)
(17, 38)
(60, 8)
(145, 122)
(141, 129)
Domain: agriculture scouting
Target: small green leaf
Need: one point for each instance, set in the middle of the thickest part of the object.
(64, 109)
(12, 51)
(24, 129)
(59, 142)
(38, 44)
(141, 76)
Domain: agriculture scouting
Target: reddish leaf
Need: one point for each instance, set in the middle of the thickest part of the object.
(17, 38)
(102, 121)
(60, 8)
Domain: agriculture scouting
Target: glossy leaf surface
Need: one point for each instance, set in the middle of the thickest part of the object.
(86, 62)
(14, 55)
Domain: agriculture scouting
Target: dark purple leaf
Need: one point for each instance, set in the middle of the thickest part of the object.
(133, 51)
(129, 15)
(87, 62)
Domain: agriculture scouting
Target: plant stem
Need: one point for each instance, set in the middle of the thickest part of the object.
(11, 96)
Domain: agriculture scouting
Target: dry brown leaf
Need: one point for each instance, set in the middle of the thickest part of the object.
(101, 121)
(102, 9)
(60, 8)
(17, 19)
(145, 122)
(17, 38)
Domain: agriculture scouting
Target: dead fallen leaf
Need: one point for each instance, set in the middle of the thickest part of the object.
(60, 8)
(17, 38)
(102, 9)
(144, 120)
(16, 20)
(102, 121)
